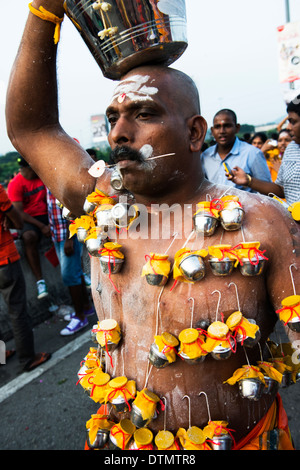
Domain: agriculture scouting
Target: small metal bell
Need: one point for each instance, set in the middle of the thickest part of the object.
(221, 267)
(205, 223)
(251, 388)
(232, 219)
(192, 268)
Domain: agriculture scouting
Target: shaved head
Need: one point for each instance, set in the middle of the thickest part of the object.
(182, 89)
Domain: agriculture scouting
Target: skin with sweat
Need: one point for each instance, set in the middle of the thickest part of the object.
(143, 310)
(158, 108)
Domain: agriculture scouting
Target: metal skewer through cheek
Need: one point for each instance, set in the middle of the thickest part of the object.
(147, 159)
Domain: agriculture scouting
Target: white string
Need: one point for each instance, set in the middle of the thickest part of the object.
(174, 238)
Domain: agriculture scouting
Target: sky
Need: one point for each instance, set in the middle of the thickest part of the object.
(232, 56)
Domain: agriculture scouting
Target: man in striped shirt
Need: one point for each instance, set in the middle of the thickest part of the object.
(287, 184)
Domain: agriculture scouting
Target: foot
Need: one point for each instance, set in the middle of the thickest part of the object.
(42, 289)
(74, 326)
(39, 359)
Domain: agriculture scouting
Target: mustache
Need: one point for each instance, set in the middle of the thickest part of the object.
(125, 153)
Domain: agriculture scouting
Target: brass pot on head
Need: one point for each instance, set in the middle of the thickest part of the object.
(123, 35)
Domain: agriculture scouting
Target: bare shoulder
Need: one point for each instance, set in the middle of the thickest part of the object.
(270, 222)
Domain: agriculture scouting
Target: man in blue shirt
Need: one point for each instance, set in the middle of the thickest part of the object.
(230, 152)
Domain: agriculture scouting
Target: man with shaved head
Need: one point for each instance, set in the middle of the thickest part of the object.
(153, 112)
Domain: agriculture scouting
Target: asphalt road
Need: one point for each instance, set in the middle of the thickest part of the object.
(46, 410)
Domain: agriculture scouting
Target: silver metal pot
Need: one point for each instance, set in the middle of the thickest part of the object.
(192, 268)
(111, 265)
(89, 207)
(221, 442)
(205, 224)
(232, 219)
(116, 180)
(221, 267)
(271, 386)
(250, 269)
(93, 245)
(251, 388)
(156, 279)
(294, 324)
(100, 441)
(104, 219)
(82, 233)
(122, 35)
(137, 419)
(157, 358)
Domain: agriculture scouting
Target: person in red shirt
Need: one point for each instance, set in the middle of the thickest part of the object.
(28, 194)
(13, 289)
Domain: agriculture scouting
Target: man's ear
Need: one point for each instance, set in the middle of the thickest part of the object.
(198, 129)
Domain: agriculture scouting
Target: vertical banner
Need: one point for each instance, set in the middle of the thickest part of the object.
(289, 52)
(99, 128)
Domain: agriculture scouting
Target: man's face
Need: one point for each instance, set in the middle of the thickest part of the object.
(144, 120)
(294, 126)
(224, 129)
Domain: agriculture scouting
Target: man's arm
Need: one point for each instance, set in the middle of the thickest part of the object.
(45, 229)
(13, 219)
(241, 178)
(32, 114)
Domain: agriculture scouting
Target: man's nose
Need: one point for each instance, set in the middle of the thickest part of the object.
(122, 131)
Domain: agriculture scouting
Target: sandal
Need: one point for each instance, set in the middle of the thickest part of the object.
(39, 359)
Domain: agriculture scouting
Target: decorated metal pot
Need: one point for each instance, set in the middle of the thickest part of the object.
(251, 388)
(221, 267)
(124, 35)
(205, 223)
(232, 219)
(192, 268)
(252, 268)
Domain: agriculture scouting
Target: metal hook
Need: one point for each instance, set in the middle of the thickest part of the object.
(208, 410)
(189, 400)
(293, 283)
(261, 354)
(218, 302)
(165, 412)
(237, 295)
(192, 314)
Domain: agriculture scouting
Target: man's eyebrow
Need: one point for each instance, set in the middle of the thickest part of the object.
(132, 106)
